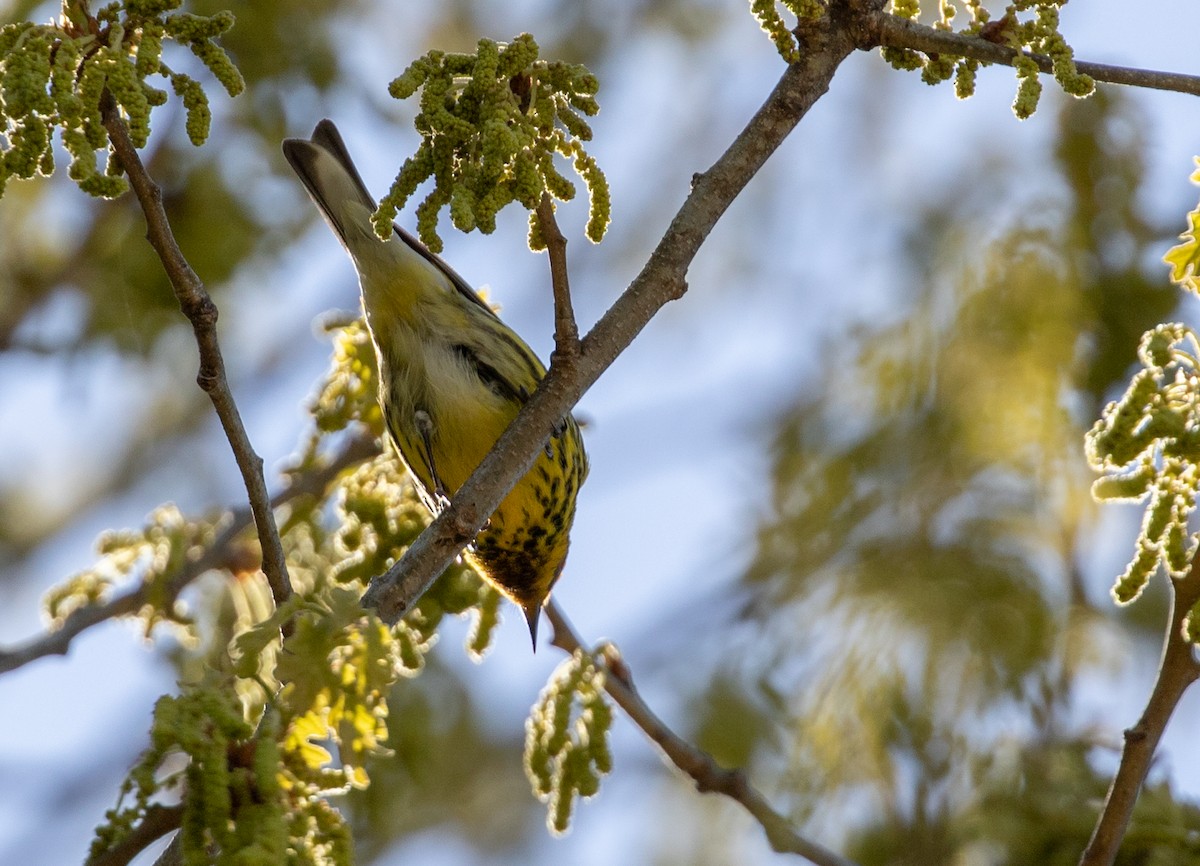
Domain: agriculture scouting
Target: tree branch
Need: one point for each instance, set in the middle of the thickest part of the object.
(824, 45)
(694, 762)
(1176, 672)
(891, 31)
(200, 310)
(313, 483)
(159, 821)
(566, 331)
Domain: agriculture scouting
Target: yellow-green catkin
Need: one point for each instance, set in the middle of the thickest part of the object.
(566, 737)
(55, 77)
(1029, 26)
(493, 124)
(1146, 447)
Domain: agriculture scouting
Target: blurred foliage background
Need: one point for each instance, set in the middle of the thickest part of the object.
(845, 473)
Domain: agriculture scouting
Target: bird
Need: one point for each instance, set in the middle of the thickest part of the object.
(452, 376)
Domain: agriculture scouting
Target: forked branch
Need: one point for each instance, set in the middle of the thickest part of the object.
(663, 279)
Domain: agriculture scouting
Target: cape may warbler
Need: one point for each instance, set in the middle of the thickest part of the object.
(451, 378)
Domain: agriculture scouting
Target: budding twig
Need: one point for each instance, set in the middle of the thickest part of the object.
(892, 31)
(700, 766)
(158, 822)
(57, 642)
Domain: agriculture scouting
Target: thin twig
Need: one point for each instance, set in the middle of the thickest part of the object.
(892, 31)
(159, 821)
(312, 483)
(700, 766)
(1176, 672)
(824, 45)
(200, 310)
(566, 331)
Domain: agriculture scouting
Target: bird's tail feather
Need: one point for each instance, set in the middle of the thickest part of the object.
(327, 172)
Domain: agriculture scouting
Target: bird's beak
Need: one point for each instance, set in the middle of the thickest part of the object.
(533, 614)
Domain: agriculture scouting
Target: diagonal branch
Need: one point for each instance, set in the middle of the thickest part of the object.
(696, 763)
(312, 483)
(1177, 670)
(892, 31)
(824, 45)
(200, 310)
